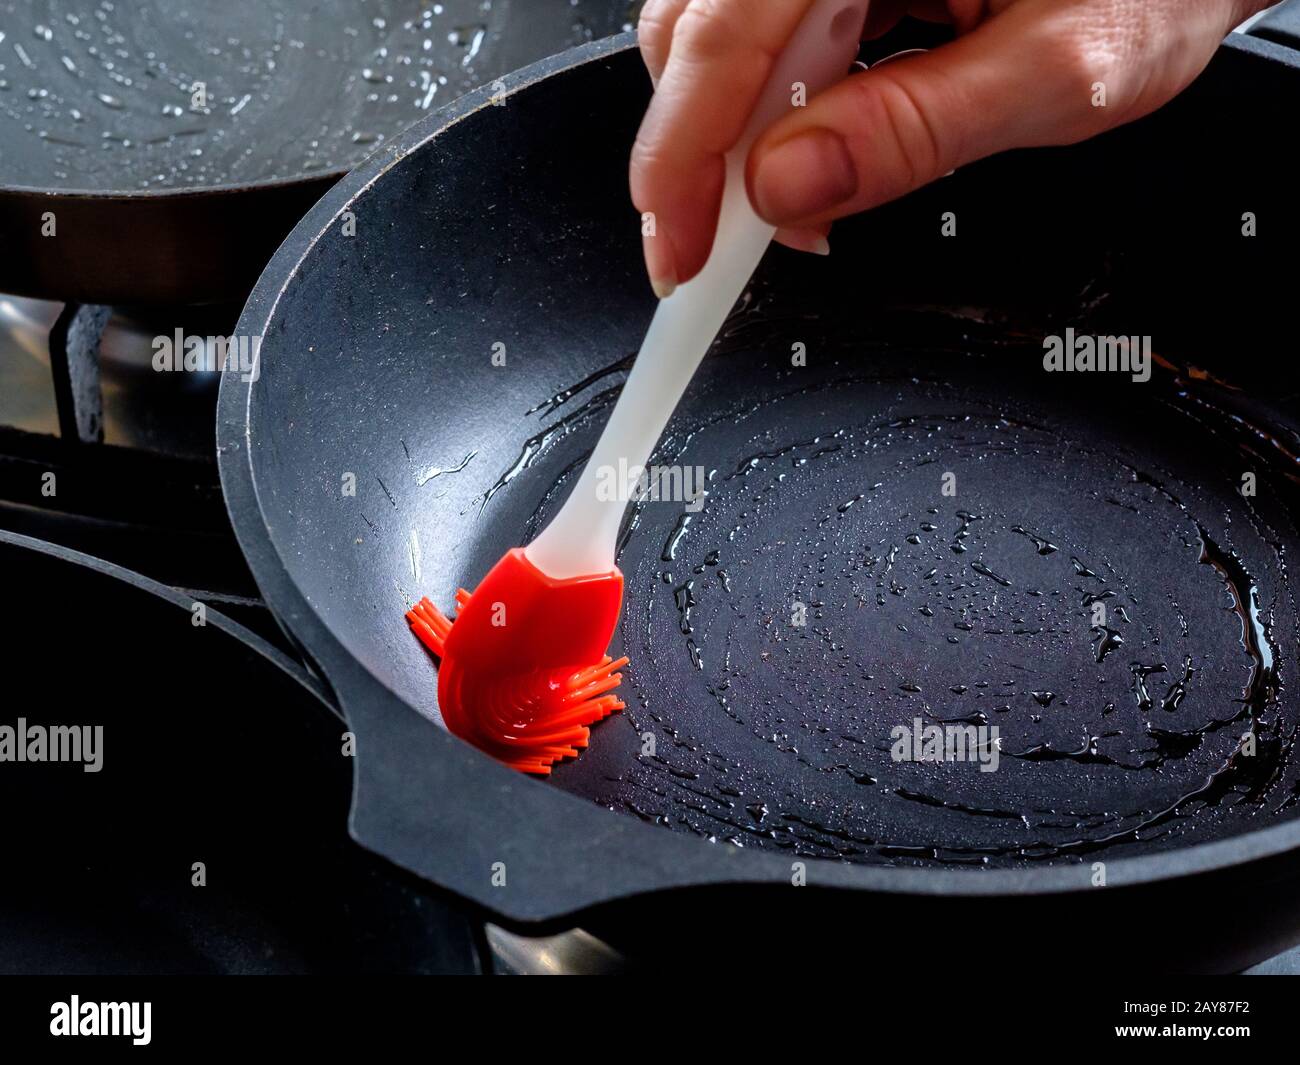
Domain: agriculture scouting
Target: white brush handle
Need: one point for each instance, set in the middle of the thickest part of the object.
(582, 537)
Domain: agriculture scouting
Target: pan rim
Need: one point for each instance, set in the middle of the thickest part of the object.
(170, 594)
(332, 175)
(744, 866)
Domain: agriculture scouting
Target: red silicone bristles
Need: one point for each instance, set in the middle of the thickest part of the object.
(430, 625)
(531, 716)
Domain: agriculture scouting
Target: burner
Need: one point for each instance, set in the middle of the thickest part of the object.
(60, 364)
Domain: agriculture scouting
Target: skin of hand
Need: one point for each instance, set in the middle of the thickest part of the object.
(1020, 73)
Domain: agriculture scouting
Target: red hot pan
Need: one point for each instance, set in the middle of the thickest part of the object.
(911, 523)
(176, 145)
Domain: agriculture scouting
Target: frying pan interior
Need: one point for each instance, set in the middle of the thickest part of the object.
(908, 521)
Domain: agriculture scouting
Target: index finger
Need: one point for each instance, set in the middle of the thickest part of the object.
(721, 56)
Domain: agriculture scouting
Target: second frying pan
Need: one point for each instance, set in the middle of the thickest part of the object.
(175, 146)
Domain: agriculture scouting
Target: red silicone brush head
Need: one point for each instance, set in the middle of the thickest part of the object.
(524, 670)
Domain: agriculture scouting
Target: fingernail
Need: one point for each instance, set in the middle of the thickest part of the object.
(807, 240)
(660, 265)
(803, 177)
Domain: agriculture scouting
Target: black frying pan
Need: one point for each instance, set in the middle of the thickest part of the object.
(255, 808)
(163, 196)
(509, 225)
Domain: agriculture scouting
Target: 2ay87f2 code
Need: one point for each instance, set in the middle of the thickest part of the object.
(1157, 1008)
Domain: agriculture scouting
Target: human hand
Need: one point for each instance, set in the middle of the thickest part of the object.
(1021, 73)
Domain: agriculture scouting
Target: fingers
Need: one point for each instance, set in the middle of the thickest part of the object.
(654, 33)
(1021, 73)
(720, 56)
(813, 239)
(1035, 72)
(1016, 80)
(967, 14)
(884, 15)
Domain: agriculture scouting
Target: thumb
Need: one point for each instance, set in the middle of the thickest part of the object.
(1019, 79)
